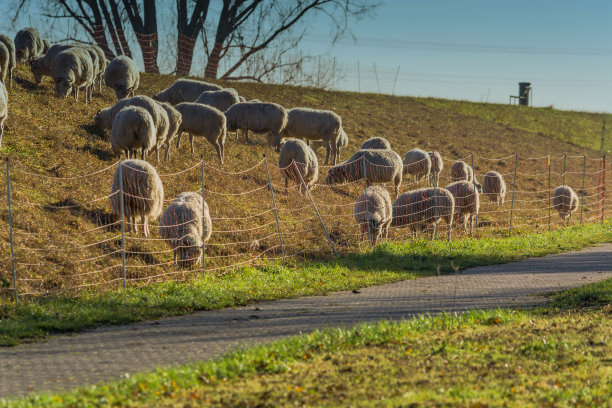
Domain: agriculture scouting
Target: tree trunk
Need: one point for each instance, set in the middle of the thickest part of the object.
(185, 54)
(212, 66)
(148, 46)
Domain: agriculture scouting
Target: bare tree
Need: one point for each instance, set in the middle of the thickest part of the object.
(188, 31)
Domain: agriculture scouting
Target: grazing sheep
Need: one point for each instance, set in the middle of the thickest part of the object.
(41, 66)
(418, 163)
(314, 124)
(376, 143)
(259, 117)
(122, 75)
(72, 70)
(3, 109)
(99, 59)
(133, 129)
(203, 120)
(28, 45)
(185, 90)
(341, 143)
(565, 201)
(175, 119)
(437, 164)
(143, 193)
(382, 166)
(494, 187)
(241, 99)
(4, 62)
(221, 100)
(306, 160)
(460, 170)
(10, 46)
(467, 202)
(181, 227)
(420, 208)
(373, 212)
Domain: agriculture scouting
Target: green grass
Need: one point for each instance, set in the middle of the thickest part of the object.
(36, 318)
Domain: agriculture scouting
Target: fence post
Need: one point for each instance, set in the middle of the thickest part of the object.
(122, 223)
(280, 237)
(564, 159)
(513, 191)
(549, 192)
(602, 182)
(358, 77)
(376, 74)
(435, 182)
(315, 208)
(203, 223)
(582, 194)
(365, 187)
(475, 193)
(10, 217)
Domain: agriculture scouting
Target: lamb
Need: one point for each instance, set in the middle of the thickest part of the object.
(314, 124)
(437, 164)
(259, 117)
(494, 187)
(420, 208)
(373, 212)
(306, 160)
(185, 90)
(5, 57)
(221, 100)
(175, 119)
(133, 129)
(181, 227)
(467, 202)
(41, 66)
(28, 45)
(73, 69)
(122, 75)
(565, 201)
(202, 120)
(376, 143)
(3, 109)
(143, 193)
(381, 166)
(342, 142)
(418, 163)
(12, 63)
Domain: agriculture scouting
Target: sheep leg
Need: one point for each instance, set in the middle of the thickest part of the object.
(472, 224)
(167, 155)
(327, 151)
(191, 141)
(11, 77)
(246, 134)
(334, 150)
(76, 93)
(219, 151)
(142, 154)
(157, 153)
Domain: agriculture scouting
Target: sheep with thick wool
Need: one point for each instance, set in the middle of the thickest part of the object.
(221, 99)
(376, 143)
(42, 66)
(373, 212)
(72, 69)
(296, 150)
(99, 60)
(381, 166)
(185, 225)
(175, 119)
(203, 121)
(437, 164)
(133, 130)
(143, 193)
(460, 170)
(28, 45)
(12, 62)
(467, 202)
(494, 187)
(185, 90)
(315, 124)
(260, 117)
(565, 201)
(5, 57)
(3, 109)
(122, 76)
(420, 208)
(418, 164)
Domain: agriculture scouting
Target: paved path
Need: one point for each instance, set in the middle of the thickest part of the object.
(67, 361)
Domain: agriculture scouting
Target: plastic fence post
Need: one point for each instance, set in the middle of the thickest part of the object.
(435, 181)
(603, 187)
(549, 192)
(475, 193)
(203, 224)
(564, 159)
(122, 223)
(10, 217)
(365, 187)
(582, 193)
(513, 191)
(280, 237)
(315, 207)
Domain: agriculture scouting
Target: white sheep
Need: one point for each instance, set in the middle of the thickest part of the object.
(41, 66)
(296, 150)
(565, 201)
(420, 208)
(72, 70)
(182, 228)
(341, 143)
(122, 75)
(185, 90)
(417, 163)
(175, 119)
(143, 193)
(133, 129)
(28, 45)
(5, 57)
(221, 99)
(373, 212)
(259, 117)
(381, 166)
(437, 164)
(12, 63)
(3, 109)
(99, 60)
(376, 143)
(315, 124)
(460, 170)
(203, 120)
(467, 202)
(494, 187)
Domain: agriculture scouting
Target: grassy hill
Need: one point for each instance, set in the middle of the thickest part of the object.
(61, 172)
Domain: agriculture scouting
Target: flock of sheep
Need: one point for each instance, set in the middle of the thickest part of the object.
(142, 125)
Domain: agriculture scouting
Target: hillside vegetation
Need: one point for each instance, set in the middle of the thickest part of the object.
(61, 171)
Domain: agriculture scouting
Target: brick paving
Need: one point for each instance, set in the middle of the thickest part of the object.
(108, 353)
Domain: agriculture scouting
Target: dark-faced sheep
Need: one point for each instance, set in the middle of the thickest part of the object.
(418, 164)
(296, 150)
(494, 187)
(143, 193)
(373, 212)
(204, 121)
(260, 117)
(467, 202)
(185, 226)
(122, 76)
(315, 124)
(133, 130)
(72, 70)
(420, 208)
(565, 201)
(12, 62)
(28, 45)
(376, 143)
(185, 90)
(381, 166)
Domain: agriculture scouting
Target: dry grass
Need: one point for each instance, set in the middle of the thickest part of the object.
(57, 248)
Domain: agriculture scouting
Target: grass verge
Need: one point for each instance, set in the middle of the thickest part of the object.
(35, 319)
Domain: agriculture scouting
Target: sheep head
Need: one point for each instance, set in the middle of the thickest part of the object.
(63, 87)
